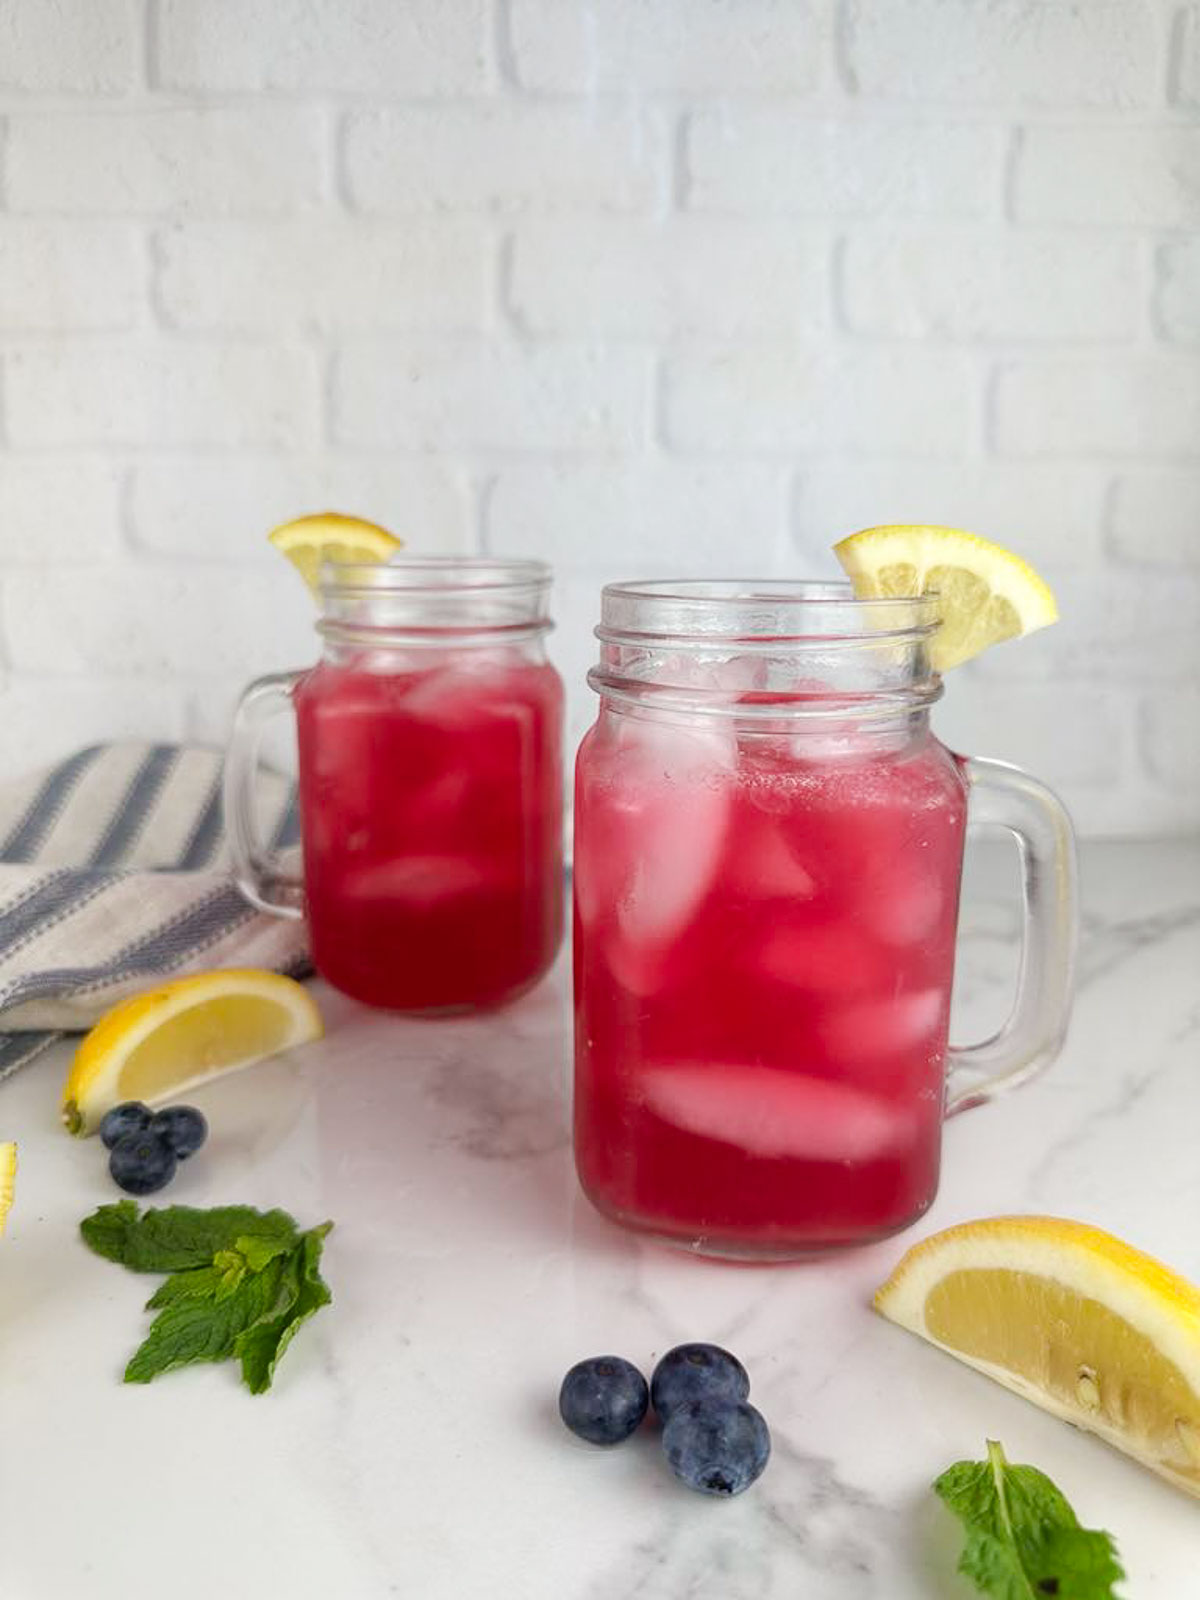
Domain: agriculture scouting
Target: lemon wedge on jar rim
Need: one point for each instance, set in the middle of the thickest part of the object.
(331, 536)
(984, 593)
(8, 1179)
(155, 1046)
(1071, 1318)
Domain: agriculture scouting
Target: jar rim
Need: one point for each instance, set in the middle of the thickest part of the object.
(764, 649)
(433, 575)
(753, 610)
(413, 599)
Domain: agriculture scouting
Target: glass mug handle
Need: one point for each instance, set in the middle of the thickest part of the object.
(256, 871)
(1002, 796)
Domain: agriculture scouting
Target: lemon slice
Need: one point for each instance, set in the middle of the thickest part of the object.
(1076, 1321)
(8, 1179)
(330, 536)
(155, 1046)
(984, 592)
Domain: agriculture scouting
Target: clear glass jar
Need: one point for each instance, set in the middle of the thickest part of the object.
(768, 851)
(430, 757)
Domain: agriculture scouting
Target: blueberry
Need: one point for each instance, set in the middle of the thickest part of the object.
(717, 1447)
(696, 1372)
(183, 1127)
(132, 1117)
(142, 1162)
(603, 1399)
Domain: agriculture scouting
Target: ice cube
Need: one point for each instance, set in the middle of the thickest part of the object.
(762, 865)
(391, 663)
(482, 683)
(729, 676)
(820, 957)
(869, 1029)
(418, 883)
(740, 674)
(641, 968)
(674, 749)
(586, 883)
(830, 739)
(777, 1114)
(446, 695)
(666, 813)
(436, 805)
(906, 908)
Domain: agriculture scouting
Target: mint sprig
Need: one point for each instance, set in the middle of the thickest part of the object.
(178, 1237)
(242, 1282)
(1024, 1541)
(260, 1348)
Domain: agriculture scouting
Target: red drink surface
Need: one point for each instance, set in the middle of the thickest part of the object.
(431, 811)
(764, 949)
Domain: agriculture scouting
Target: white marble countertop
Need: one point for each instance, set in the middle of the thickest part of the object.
(411, 1445)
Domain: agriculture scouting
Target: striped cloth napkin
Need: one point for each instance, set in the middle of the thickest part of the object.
(113, 874)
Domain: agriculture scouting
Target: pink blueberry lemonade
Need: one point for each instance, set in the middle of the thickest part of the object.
(430, 794)
(764, 951)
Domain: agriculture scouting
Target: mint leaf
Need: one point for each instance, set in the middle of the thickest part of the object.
(241, 1283)
(262, 1347)
(1024, 1541)
(192, 1328)
(257, 1251)
(198, 1283)
(179, 1237)
(107, 1229)
(314, 1243)
(231, 1265)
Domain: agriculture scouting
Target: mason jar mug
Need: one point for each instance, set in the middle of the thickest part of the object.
(768, 850)
(430, 778)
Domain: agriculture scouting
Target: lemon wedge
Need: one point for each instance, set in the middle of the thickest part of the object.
(155, 1046)
(8, 1179)
(984, 592)
(1071, 1318)
(331, 536)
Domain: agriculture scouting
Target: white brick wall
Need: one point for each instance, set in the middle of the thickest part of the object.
(1178, 303)
(147, 391)
(368, 47)
(59, 508)
(1186, 76)
(650, 517)
(1153, 518)
(324, 276)
(471, 396)
(161, 161)
(669, 46)
(1006, 53)
(990, 285)
(686, 276)
(1108, 175)
(1116, 405)
(69, 277)
(70, 46)
(800, 400)
(641, 286)
(784, 160)
(1053, 511)
(180, 622)
(506, 156)
(1170, 747)
(214, 507)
